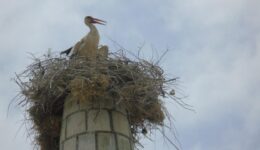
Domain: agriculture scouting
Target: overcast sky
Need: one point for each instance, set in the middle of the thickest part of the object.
(214, 49)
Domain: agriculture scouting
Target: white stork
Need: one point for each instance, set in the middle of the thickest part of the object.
(88, 45)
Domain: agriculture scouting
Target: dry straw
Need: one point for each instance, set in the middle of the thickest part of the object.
(137, 84)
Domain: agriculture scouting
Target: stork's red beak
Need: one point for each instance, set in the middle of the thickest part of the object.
(98, 21)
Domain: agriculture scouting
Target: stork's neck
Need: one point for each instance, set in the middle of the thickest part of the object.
(93, 29)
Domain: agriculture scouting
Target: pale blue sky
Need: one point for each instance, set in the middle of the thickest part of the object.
(214, 49)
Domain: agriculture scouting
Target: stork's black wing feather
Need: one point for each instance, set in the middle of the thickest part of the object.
(66, 51)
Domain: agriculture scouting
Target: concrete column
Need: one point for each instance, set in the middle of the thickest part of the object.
(94, 127)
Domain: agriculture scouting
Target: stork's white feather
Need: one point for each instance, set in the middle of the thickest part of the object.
(88, 45)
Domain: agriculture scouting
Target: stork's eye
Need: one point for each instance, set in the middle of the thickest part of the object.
(89, 17)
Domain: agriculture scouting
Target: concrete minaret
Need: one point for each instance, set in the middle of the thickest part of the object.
(100, 126)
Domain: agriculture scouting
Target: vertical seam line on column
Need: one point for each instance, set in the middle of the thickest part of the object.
(86, 120)
(111, 120)
(65, 134)
(130, 138)
(96, 141)
(110, 112)
(116, 142)
(77, 142)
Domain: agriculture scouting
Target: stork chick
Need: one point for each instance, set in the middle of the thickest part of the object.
(88, 45)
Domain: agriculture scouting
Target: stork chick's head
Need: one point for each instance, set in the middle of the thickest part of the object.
(91, 20)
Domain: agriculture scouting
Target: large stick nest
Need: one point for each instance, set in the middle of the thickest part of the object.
(136, 84)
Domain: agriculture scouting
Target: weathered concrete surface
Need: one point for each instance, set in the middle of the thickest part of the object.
(94, 127)
(120, 123)
(70, 144)
(71, 105)
(75, 124)
(98, 120)
(106, 141)
(63, 128)
(123, 143)
(87, 142)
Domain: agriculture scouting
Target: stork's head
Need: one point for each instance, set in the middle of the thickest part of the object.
(91, 20)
